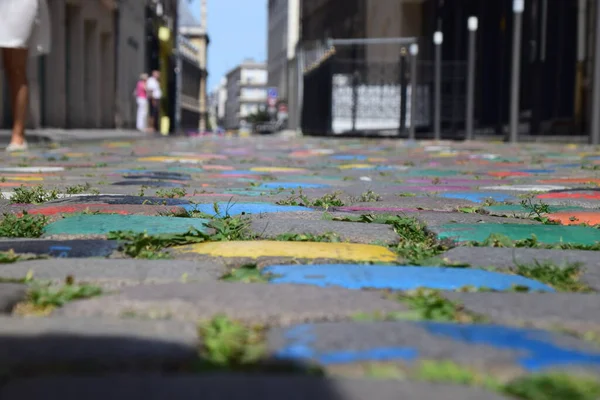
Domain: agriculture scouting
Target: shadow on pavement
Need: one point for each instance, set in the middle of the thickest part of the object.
(90, 367)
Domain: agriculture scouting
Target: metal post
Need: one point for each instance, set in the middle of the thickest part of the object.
(473, 23)
(518, 7)
(438, 39)
(595, 124)
(403, 92)
(414, 51)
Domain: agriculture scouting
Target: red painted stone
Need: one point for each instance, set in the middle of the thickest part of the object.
(562, 195)
(103, 209)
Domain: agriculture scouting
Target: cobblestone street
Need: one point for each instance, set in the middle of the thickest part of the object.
(329, 269)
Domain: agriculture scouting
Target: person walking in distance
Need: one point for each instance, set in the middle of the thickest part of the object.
(24, 33)
(154, 96)
(142, 103)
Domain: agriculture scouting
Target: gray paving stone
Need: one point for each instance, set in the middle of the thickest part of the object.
(115, 273)
(433, 219)
(317, 215)
(501, 350)
(504, 258)
(10, 295)
(30, 343)
(273, 304)
(348, 231)
(234, 387)
(574, 311)
(423, 202)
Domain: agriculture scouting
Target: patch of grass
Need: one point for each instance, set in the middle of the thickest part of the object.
(44, 297)
(472, 210)
(249, 273)
(537, 211)
(222, 228)
(428, 304)
(173, 193)
(416, 245)
(9, 257)
(561, 278)
(451, 372)
(300, 199)
(78, 189)
(553, 387)
(230, 345)
(33, 195)
(329, 237)
(406, 194)
(369, 196)
(25, 226)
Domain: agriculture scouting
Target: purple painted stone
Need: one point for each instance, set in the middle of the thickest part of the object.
(460, 181)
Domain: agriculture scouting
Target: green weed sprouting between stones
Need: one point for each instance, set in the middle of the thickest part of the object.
(424, 304)
(47, 295)
(249, 273)
(222, 228)
(33, 195)
(369, 197)
(499, 240)
(230, 345)
(562, 278)
(544, 386)
(9, 257)
(416, 244)
(78, 189)
(329, 237)
(171, 193)
(327, 201)
(25, 226)
(537, 211)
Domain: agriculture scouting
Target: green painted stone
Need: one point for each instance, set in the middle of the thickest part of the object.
(102, 224)
(431, 172)
(544, 233)
(520, 209)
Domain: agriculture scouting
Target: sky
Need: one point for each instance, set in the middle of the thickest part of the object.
(237, 30)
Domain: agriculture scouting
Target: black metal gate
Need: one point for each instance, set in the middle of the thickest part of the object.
(361, 97)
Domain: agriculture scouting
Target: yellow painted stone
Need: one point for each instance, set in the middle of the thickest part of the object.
(118, 144)
(446, 154)
(75, 155)
(571, 146)
(309, 250)
(355, 166)
(277, 169)
(173, 159)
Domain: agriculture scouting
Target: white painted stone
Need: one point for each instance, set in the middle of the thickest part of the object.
(32, 169)
(437, 148)
(525, 188)
(365, 179)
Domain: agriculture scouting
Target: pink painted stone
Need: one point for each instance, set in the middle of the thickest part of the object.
(460, 181)
(433, 188)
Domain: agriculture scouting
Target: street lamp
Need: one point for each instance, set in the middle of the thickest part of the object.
(518, 8)
(472, 25)
(414, 51)
(438, 39)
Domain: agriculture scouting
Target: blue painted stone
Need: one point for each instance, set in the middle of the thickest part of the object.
(348, 157)
(573, 165)
(535, 349)
(101, 224)
(63, 248)
(293, 185)
(356, 276)
(539, 350)
(537, 171)
(477, 197)
(243, 208)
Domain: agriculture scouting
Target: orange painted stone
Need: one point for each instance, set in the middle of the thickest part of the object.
(504, 174)
(576, 217)
(585, 196)
(14, 184)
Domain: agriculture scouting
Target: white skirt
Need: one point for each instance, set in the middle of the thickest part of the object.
(25, 24)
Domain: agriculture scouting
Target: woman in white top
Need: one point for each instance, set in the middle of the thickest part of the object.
(24, 33)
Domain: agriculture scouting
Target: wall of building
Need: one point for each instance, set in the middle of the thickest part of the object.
(278, 45)
(131, 59)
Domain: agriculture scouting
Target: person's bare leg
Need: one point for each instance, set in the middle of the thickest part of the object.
(15, 65)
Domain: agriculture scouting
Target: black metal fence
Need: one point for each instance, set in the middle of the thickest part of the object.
(345, 96)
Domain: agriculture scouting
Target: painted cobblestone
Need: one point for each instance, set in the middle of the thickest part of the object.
(331, 245)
